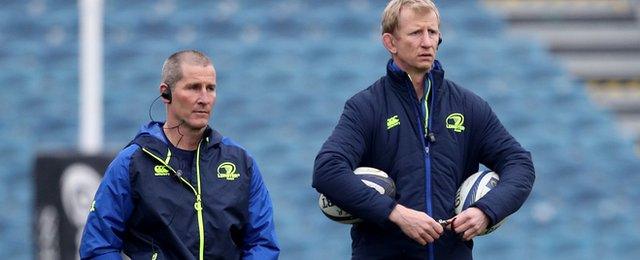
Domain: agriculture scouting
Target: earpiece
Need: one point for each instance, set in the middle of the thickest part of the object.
(167, 94)
(439, 42)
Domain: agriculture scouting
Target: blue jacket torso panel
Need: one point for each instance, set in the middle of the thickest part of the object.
(148, 209)
(382, 127)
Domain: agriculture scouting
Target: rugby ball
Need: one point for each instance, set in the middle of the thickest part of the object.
(474, 188)
(372, 177)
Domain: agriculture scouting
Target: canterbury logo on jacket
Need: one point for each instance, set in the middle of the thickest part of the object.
(146, 208)
(383, 127)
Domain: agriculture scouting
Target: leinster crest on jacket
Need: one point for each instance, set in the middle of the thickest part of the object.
(227, 171)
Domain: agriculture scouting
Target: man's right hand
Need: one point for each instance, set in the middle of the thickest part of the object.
(416, 224)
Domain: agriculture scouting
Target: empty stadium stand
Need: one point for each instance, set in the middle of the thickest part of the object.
(285, 69)
(598, 41)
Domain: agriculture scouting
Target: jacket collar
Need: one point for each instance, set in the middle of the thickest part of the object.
(399, 77)
(150, 135)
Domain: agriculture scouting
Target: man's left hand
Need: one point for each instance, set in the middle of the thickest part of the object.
(469, 223)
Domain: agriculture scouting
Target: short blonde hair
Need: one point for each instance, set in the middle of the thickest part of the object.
(172, 70)
(392, 12)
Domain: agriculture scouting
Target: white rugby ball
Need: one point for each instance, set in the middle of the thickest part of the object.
(474, 188)
(372, 177)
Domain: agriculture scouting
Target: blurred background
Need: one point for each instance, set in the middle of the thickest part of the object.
(563, 76)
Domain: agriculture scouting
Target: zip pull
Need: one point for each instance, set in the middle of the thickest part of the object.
(430, 137)
(198, 204)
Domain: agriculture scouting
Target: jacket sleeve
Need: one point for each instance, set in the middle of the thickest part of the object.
(341, 153)
(260, 238)
(112, 206)
(503, 154)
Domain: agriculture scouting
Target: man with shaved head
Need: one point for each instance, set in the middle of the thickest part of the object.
(181, 190)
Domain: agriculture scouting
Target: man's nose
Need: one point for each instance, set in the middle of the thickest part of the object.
(205, 97)
(429, 40)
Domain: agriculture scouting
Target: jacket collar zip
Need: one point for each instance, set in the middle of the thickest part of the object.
(402, 81)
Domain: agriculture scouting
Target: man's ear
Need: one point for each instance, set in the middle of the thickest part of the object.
(389, 42)
(165, 93)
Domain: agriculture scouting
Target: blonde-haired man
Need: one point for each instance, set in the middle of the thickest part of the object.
(428, 134)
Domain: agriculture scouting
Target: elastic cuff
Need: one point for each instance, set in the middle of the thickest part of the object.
(386, 222)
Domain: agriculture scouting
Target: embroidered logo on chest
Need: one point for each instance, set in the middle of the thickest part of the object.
(160, 170)
(455, 122)
(393, 122)
(227, 171)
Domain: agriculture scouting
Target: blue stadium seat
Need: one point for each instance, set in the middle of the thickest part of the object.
(285, 69)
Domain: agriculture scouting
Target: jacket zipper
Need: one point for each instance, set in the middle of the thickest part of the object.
(197, 192)
(427, 159)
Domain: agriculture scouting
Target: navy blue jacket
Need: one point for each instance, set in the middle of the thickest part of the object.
(382, 127)
(146, 208)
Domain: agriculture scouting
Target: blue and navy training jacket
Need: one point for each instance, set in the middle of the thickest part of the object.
(146, 208)
(383, 127)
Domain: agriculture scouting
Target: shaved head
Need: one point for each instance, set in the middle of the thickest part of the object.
(172, 67)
